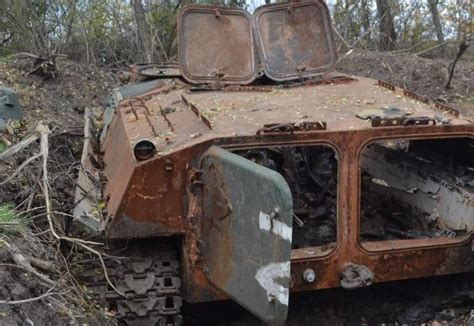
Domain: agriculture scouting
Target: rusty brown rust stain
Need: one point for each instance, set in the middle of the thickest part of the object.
(227, 34)
(290, 49)
(218, 227)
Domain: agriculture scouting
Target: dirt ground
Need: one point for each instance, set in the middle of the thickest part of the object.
(60, 103)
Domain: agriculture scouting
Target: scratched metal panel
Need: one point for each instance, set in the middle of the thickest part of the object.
(295, 39)
(216, 44)
(246, 233)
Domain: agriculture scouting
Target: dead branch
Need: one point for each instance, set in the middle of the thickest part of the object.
(414, 46)
(26, 55)
(23, 55)
(462, 48)
(360, 38)
(25, 163)
(342, 39)
(21, 261)
(42, 264)
(47, 294)
(44, 150)
(435, 47)
(18, 147)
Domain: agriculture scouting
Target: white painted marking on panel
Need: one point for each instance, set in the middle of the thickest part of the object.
(267, 276)
(275, 226)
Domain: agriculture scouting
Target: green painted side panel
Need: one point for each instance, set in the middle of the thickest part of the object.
(246, 233)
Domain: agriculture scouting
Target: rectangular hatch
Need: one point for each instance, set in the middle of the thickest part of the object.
(295, 39)
(216, 45)
(247, 233)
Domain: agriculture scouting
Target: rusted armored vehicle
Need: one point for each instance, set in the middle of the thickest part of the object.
(251, 170)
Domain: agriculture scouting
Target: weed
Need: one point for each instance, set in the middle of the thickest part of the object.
(9, 220)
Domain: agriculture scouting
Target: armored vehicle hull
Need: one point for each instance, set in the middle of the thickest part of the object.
(270, 188)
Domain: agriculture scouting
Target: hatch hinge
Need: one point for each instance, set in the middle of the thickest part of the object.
(292, 127)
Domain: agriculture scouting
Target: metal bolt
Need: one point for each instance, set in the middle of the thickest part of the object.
(275, 212)
(271, 297)
(309, 275)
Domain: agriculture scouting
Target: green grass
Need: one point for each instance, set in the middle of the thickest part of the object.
(9, 220)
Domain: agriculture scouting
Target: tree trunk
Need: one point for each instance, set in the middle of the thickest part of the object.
(388, 35)
(365, 17)
(142, 31)
(433, 4)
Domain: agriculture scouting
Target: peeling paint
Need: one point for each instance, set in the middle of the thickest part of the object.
(267, 276)
(279, 228)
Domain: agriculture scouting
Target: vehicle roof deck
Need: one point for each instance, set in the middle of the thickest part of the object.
(175, 116)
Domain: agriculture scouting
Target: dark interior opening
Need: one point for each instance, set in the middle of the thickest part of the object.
(414, 189)
(311, 173)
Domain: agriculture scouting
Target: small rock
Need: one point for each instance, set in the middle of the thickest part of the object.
(18, 291)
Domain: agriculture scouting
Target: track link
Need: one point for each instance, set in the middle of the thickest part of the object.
(148, 275)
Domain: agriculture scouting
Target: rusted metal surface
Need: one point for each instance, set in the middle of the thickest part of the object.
(423, 99)
(295, 39)
(216, 44)
(327, 79)
(165, 186)
(302, 29)
(164, 191)
(156, 70)
(195, 110)
(416, 96)
(446, 108)
(243, 113)
(233, 88)
(289, 127)
(386, 85)
(405, 121)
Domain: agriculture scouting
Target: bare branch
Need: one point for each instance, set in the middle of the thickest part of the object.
(44, 133)
(18, 147)
(47, 294)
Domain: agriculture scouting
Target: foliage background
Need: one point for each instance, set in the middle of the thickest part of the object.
(112, 32)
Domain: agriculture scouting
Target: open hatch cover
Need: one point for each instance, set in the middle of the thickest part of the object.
(216, 44)
(294, 39)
